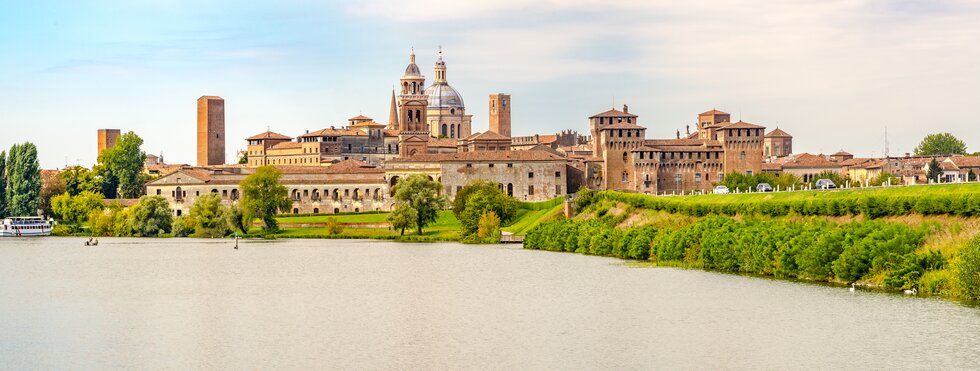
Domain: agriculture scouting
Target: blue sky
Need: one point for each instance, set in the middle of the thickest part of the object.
(832, 73)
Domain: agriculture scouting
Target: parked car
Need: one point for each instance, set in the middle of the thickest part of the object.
(720, 190)
(763, 187)
(825, 184)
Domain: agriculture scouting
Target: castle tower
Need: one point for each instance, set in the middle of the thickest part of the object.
(412, 118)
(210, 131)
(500, 114)
(600, 121)
(107, 139)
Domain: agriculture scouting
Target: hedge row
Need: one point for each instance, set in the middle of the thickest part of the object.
(872, 206)
(812, 249)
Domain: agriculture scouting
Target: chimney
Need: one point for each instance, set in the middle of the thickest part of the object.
(307, 131)
(626, 109)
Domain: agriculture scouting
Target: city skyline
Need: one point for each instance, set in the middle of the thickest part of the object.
(851, 67)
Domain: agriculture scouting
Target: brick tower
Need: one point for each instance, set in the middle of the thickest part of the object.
(210, 131)
(500, 114)
(107, 139)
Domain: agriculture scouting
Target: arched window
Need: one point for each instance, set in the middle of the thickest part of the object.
(452, 131)
(624, 156)
(510, 189)
(626, 177)
(741, 156)
(443, 131)
(316, 210)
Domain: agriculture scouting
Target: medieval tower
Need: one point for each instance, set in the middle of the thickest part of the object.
(500, 114)
(210, 131)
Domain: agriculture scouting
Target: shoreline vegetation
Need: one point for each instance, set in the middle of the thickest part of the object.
(921, 239)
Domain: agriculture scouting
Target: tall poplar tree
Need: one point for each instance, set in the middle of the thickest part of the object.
(3, 184)
(23, 180)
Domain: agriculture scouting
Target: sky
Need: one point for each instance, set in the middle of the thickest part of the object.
(836, 74)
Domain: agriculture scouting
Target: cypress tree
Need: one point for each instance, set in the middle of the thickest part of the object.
(3, 184)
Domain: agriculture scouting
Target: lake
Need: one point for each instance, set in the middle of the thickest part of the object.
(348, 304)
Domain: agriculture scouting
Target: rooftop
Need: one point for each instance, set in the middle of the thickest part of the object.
(529, 155)
(268, 135)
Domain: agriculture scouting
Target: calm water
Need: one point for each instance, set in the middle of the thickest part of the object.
(310, 304)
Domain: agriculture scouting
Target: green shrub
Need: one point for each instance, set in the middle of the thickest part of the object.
(967, 270)
(333, 226)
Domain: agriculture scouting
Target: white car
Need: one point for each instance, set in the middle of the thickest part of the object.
(720, 190)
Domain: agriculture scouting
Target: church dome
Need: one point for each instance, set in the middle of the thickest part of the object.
(412, 70)
(441, 95)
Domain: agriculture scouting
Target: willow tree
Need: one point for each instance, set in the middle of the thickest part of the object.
(421, 195)
(263, 197)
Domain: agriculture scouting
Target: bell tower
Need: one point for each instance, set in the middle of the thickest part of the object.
(412, 119)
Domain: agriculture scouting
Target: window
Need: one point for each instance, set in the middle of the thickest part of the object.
(510, 165)
(530, 175)
(626, 177)
(697, 179)
(491, 165)
(557, 174)
(530, 190)
(557, 189)
(469, 165)
(624, 156)
(741, 156)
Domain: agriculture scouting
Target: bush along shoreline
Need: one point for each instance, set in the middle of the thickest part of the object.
(867, 251)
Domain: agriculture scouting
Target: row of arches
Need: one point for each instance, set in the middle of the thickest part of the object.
(336, 194)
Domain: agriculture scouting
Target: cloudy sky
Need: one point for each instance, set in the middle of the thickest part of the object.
(833, 73)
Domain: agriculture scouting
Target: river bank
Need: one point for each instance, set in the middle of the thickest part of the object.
(922, 242)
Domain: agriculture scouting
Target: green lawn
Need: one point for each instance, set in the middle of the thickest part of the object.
(343, 218)
(527, 219)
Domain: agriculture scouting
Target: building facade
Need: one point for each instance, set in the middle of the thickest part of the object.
(106, 139)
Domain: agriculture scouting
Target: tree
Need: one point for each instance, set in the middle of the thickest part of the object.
(940, 144)
(967, 270)
(971, 176)
(402, 217)
(485, 197)
(237, 218)
(150, 217)
(124, 163)
(209, 216)
(263, 197)
(78, 179)
(421, 194)
(23, 180)
(333, 226)
(3, 184)
(933, 171)
(884, 178)
(51, 185)
(489, 228)
(243, 157)
(76, 209)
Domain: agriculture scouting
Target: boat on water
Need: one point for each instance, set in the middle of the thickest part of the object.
(25, 226)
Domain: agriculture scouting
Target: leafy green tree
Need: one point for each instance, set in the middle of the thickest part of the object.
(884, 178)
(76, 209)
(940, 144)
(3, 184)
(78, 179)
(150, 217)
(402, 217)
(107, 181)
(263, 197)
(183, 226)
(237, 218)
(421, 194)
(933, 171)
(489, 228)
(243, 158)
(971, 176)
(23, 180)
(209, 216)
(333, 226)
(124, 162)
(838, 179)
(479, 198)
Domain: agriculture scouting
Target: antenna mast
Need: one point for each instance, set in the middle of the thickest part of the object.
(886, 142)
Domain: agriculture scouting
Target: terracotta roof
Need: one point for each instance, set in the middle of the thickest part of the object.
(712, 112)
(966, 161)
(391, 133)
(360, 118)
(744, 125)
(613, 113)
(806, 160)
(945, 165)
(778, 133)
(529, 155)
(856, 161)
(343, 167)
(333, 132)
(771, 166)
(547, 139)
(486, 135)
(287, 145)
(681, 142)
(842, 153)
(681, 148)
(268, 135)
(443, 142)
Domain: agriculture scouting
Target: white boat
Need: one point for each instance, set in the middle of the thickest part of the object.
(24, 226)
